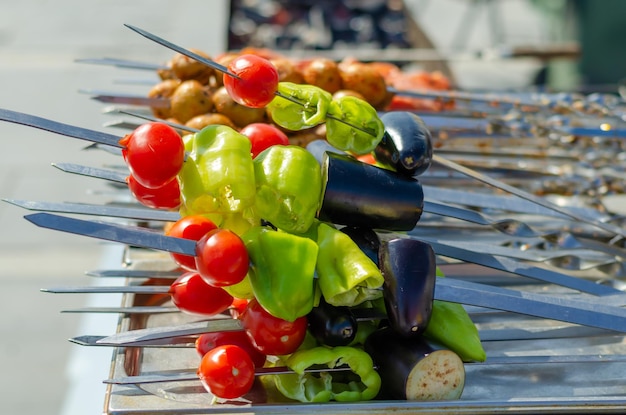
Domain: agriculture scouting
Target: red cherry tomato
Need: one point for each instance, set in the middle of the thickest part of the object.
(222, 258)
(165, 197)
(238, 306)
(272, 335)
(264, 135)
(191, 227)
(209, 341)
(227, 371)
(154, 152)
(192, 295)
(257, 81)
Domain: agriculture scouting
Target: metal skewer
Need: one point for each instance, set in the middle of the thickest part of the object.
(124, 310)
(225, 70)
(530, 102)
(191, 375)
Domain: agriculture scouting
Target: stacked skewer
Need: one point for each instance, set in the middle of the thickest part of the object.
(575, 249)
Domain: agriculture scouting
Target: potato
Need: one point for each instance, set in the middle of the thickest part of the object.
(239, 114)
(166, 73)
(200, 121)
(164, 89)
(323, 73)
(186, 68)
(347, 92)
(191, 98)
(365, 80)
(287, 71)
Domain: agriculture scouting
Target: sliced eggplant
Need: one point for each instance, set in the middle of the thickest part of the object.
(361, 195)
(414, 368)
(332, 325)
(409, 269)
(406, 146)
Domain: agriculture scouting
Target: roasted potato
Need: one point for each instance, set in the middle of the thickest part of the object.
(164, 89)
(323, 73)
(191, 98)
(287, 71)
(200, 121)
(239, 114)
(347, 92)
(185, 68)
(365, 80)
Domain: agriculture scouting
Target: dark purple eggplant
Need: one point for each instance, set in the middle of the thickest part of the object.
(409, 269)
(366, 239)
(406, 145)
(415, 368)
(332, 325)
(361, 195)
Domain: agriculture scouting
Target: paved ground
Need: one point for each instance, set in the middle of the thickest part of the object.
(39, 41)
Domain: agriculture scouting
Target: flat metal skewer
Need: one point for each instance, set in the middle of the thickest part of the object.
(191, 375)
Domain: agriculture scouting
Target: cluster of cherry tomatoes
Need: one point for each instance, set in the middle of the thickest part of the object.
(155, 153)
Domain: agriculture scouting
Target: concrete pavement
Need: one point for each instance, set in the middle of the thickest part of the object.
(39, 41)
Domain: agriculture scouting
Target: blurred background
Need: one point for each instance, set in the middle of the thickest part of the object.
(481, 44)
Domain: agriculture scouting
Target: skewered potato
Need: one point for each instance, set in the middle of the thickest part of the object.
(287, 71)
(323, 73)
(239, 114)
(185, 68)
(365, 80)
(223, 59)
(347, 92)
(191, 98)
(200, 121)
(164, 89)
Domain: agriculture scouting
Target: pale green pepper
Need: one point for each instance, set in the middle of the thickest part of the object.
(353, 125)
(346, 275)
(288, 187)
(299, 106)
(451, 326)
(307, 387)
(218, 176)
(282, 271)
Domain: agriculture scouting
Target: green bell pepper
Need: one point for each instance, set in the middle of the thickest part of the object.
(299, 107)
(242, 289)
(451, 326)
(354, 125)
(288, 187)
(218, 176)
(306, 387)
(346, 275)
(365, 328)
(282, 271)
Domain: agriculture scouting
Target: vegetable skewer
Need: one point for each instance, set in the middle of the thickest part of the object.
(85, 134)
(531, 102)
(500, 360)
(579, 312)
(226, 70)
(155, 240)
